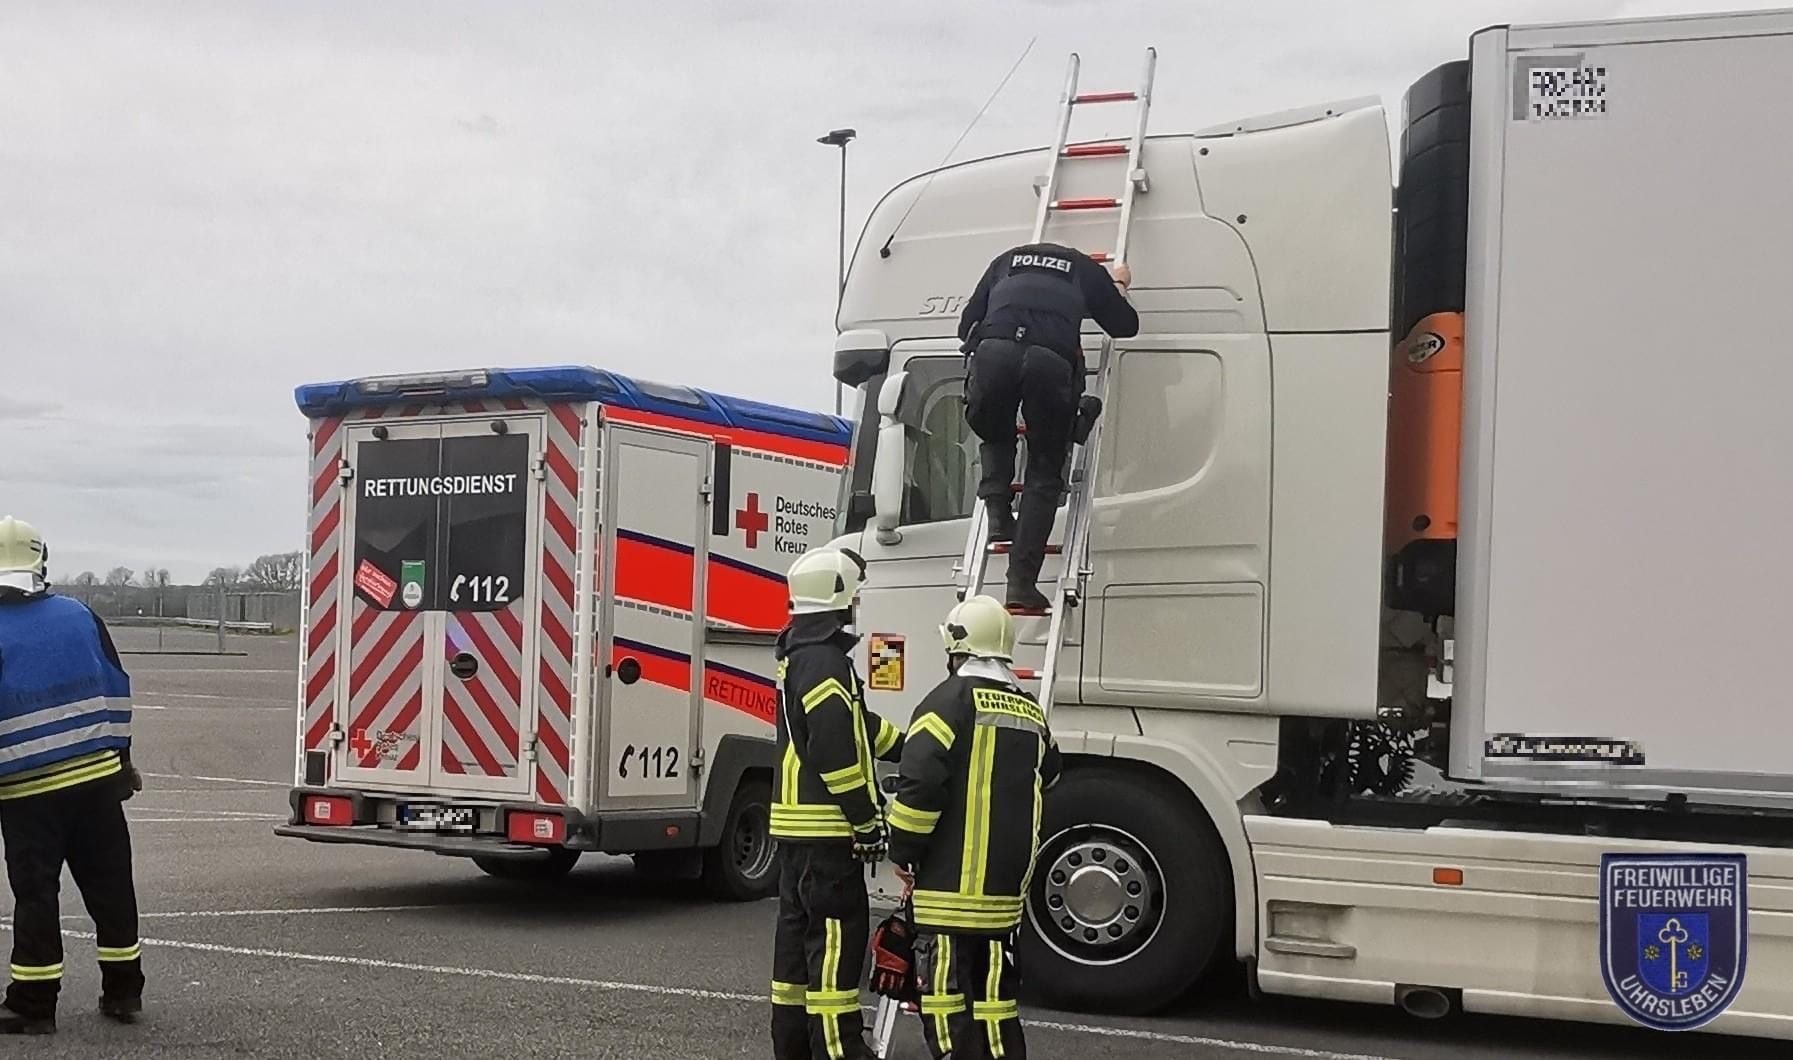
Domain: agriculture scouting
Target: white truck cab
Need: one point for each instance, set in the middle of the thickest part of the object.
(1268, 630)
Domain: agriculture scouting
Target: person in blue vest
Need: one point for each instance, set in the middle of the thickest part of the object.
(65, 773)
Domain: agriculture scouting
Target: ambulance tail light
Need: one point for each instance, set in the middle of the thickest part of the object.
(536, 829)
(330, 811)
(422, 383)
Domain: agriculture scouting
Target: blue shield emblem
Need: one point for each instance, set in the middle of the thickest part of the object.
(1674, 931)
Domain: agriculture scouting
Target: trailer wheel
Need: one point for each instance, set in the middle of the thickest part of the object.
(743, 867)
(558, 863)
(1131, 894)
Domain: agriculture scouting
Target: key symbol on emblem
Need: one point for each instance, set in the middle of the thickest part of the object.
(1674, 936)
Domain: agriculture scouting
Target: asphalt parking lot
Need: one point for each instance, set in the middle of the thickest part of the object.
(262, 946)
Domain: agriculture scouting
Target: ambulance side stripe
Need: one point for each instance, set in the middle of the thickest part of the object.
(322, 563)
(565, 433)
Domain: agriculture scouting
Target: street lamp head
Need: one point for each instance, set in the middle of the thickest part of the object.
(837, 138)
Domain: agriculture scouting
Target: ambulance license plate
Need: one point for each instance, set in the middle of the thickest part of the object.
(430, 818)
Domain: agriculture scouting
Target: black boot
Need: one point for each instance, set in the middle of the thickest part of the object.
(1000, 519)
(1025, 596)
(13, 1023)
(121, 1009)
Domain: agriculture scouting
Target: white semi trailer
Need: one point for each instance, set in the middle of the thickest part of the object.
(1544, 545)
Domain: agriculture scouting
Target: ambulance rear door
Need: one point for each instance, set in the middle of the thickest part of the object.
(655, 553)
(444, 525)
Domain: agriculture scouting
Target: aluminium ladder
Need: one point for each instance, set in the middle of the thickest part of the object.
(1074, 575)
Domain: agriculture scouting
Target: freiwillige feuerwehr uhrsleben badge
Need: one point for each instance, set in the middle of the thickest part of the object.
(1674, 932)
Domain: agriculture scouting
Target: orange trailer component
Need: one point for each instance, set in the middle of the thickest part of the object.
(1425, 432)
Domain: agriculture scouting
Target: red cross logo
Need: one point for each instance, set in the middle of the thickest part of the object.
(358, 742)
(752, 520)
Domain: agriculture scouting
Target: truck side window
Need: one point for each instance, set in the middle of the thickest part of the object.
(943, 466)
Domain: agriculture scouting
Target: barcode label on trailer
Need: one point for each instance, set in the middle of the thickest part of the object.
(1558, 87)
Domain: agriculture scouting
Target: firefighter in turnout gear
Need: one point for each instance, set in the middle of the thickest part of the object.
(65, 710)
(964, 828)
(825, 815)
(1021, 326)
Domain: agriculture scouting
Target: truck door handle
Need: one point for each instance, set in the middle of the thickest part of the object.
(628, 671)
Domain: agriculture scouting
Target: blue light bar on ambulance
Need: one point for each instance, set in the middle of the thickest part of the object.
(422, 383)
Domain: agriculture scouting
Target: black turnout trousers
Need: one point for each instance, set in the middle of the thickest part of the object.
(968, 1006)
(1045, 386)
(83, 827)
(818, 953)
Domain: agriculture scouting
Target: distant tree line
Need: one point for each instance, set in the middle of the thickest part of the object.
(123, 591)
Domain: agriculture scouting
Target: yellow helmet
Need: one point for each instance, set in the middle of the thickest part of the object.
(979, 627)
(824, 580)
(23, 555)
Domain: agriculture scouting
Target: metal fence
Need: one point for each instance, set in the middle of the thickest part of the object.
(274, 611)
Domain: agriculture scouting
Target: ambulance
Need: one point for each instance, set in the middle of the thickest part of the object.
(539, 614)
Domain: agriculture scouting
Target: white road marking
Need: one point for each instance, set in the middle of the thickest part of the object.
(221, 780)
(1232, 1045)
(207, 811)
(207, 820)
(212, 914)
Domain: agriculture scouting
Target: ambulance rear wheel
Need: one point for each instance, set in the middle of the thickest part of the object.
(743, 867)
(1131, 894)
(558, 863)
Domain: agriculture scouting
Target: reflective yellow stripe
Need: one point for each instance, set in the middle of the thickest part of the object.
(993, 990)
(938, 909)
(943, 1031)
(126, 953)
(887, 737)
(68, 778)
(789, 993)
(831, 1002)
(73, 763)
(995, 1010)
(804, 821)
(977, 812)
(934, 725)
(942, 1004)
(41, 973)
(819, 694)
(787, 774)
(841, 781)
(830, 976)
(909, 819)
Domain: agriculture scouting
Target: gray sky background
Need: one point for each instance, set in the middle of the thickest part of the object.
(206, 204)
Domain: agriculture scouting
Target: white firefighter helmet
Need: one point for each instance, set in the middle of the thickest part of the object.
(979, 627)
(22, 556)
(824, 580)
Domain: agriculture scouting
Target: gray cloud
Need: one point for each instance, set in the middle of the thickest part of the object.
(215, 202)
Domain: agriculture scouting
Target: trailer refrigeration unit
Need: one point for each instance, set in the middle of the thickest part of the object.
(1503, 487)
(539, 617)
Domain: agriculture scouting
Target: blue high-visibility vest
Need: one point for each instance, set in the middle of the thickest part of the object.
(61, 697)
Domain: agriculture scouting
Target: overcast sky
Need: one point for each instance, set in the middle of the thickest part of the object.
(203, 205)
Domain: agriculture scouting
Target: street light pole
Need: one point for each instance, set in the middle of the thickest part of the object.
(840, 138)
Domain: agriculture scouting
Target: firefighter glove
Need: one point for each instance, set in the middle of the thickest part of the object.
(872, 844)
(893, 959)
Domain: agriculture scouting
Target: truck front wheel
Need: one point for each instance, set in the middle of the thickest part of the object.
(1131, 894)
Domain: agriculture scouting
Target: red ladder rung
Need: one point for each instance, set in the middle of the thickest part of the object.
(1026, 673)
(1002, 548)
(1095, 150)
(1105, 97)
(1101, 257)
(1030, 612)
(1087, 204)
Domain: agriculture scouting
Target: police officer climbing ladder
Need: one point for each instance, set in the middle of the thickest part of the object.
(825, 815)
(65, 711)
(1024, 320)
